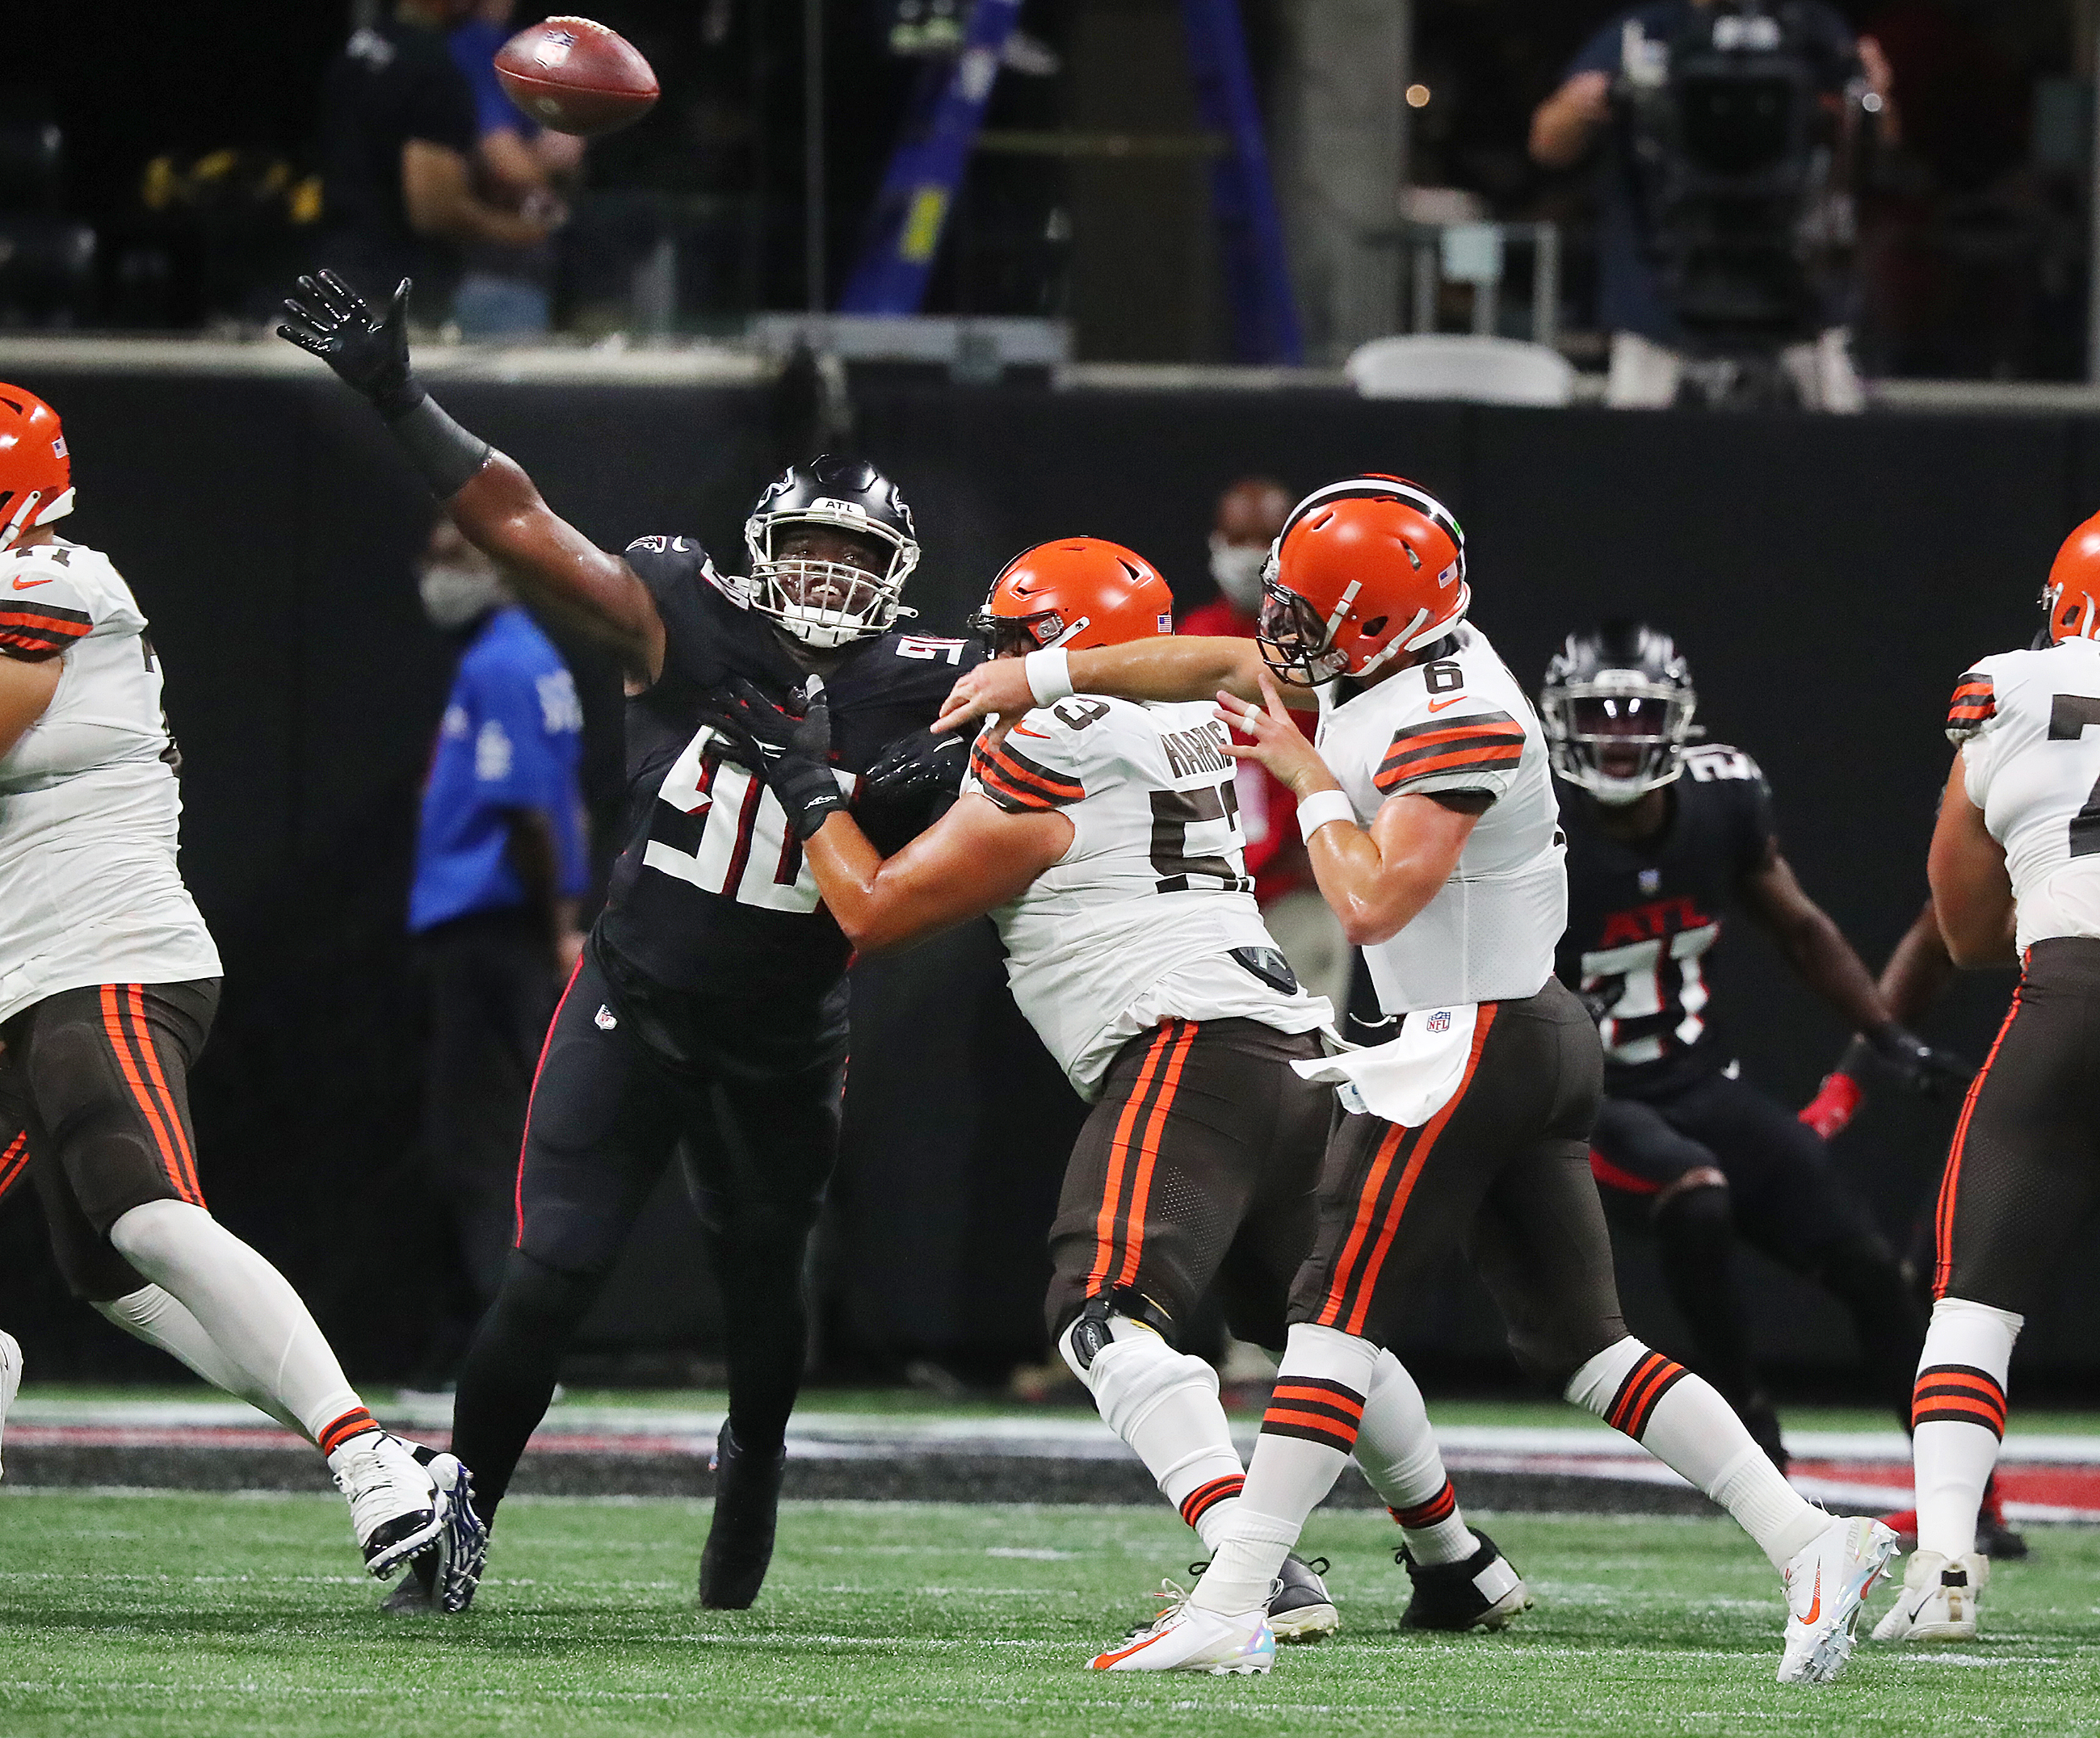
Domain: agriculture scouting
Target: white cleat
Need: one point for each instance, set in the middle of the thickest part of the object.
(10, 1374)
(1939, 1599)
(1826, 1584)
(1187, 1639)
(396, 1508)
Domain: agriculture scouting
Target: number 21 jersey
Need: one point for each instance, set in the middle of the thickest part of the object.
(2028, 725)
(1150, 915)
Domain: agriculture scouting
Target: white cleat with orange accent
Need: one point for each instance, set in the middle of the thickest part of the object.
(1826, 1586)
(1185, 1638)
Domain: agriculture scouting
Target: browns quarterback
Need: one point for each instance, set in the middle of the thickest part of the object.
(708, 1014)
(1428, 810)
(1104, 837)
(108, 982)
(2015, 872)
(1667, 838)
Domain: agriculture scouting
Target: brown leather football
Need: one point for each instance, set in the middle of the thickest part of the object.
(573, 75)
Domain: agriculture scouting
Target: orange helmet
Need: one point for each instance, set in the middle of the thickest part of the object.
(1079, 592)
(2072, 595)
(1365, 569)
(36, 476)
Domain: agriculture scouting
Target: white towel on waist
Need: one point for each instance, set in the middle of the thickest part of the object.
(1409, 1080)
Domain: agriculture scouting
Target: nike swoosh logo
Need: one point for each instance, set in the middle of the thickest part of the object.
(1438, 706)
(24, 584)
(1816, 1604)
(1022, 730)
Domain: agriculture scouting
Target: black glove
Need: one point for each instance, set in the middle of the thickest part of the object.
(1599, 1003)
(334, 324)
(921, 765)
(1916, 1065)
(791, 749)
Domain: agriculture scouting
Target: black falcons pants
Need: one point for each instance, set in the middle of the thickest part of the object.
(607, 1113)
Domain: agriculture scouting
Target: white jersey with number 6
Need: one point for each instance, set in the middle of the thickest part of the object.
(89, 890)
(2029, 725)
(1150, 915)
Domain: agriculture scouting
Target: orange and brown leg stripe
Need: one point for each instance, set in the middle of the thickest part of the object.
(1943, 1216)
(139, 1061)
(1314, 1410)
(14, 1161)
(1206, 1497)
(1439, 1508)
(354, 1423)
(1133, 1157)
(1958, 1394)
(1643, 1390)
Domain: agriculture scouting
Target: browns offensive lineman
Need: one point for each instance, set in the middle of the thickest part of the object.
(2015, 873)
(108, 982)
(1434, 837)
(1663, 840)
(1105, 839)
(708, 1012)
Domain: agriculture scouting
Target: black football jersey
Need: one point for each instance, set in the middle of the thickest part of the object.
(1643, 919)
(710, 896)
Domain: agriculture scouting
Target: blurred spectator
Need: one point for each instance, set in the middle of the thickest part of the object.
(1647, 343)
(520, 166)
(398, 138)
(500, 866)
(1250, 514)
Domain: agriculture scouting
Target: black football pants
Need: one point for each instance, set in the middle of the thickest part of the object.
(606, 1117)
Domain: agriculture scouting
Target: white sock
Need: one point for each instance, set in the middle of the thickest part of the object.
(1958, 1418)
(1307, 1436)
(1164, 1403)
(1397, 1450)
(151, 1315)
(250, 1312)
(1680, 1419)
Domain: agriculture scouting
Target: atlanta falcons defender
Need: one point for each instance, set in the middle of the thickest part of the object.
(1105, 839)
(708, 1012)
(2015, 873)
(108, 981)
(1664, 840)
(1434, 837)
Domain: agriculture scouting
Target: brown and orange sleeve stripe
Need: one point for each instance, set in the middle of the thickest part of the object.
(14, 1161)
(1021, 785)
(1482, 743)
(1314, 1410)
(35, 632)
(1633, 1405)
(1958, 1394)
(1975, 704)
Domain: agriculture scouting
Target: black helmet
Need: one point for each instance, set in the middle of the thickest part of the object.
(850, 495)
(1620, 695)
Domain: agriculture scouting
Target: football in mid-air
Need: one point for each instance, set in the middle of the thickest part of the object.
(572, 75)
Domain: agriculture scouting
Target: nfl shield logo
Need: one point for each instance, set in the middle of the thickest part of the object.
(1651, 880)
(1440, 1020)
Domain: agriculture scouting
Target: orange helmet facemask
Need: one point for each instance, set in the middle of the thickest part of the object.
(1364, 570)
(1073, 593)
(2072, 595)
(36, 476)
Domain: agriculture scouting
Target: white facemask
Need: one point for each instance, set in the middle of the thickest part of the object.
(1236, 568)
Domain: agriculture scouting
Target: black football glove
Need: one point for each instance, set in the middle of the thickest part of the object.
(1916, 1066)
(790, 749)
(919, 765)
(371, 355)
(1598, 1003)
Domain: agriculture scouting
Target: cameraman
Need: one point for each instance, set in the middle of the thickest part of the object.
(1647, 342)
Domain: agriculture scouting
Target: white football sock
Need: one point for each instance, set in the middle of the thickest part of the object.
(1397, 1450)
(249, 1311)
(151, 1315)
(1164, 1403)
(1680, 1419)
(1307, 1436)
(1958, 1418)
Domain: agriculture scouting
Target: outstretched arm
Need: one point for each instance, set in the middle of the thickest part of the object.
(976, 857)
(555, 568)
(1175, 667)
(1971, 892)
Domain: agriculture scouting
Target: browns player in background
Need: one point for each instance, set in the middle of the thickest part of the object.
(708, 1014)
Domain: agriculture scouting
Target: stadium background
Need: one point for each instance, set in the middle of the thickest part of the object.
(1829, 578)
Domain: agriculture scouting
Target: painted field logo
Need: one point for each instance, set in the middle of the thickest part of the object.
(1439, 1021)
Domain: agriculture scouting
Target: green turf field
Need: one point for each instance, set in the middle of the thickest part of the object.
(197, 1614)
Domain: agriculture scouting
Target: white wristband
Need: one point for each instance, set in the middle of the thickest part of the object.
(1316, 811)
(1049, 676)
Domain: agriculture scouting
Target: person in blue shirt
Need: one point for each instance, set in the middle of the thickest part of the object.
(1647, 363)
(500, 865)
(519, 166)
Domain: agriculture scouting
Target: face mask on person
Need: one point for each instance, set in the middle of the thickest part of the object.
(455, 594)
(1236, 568)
